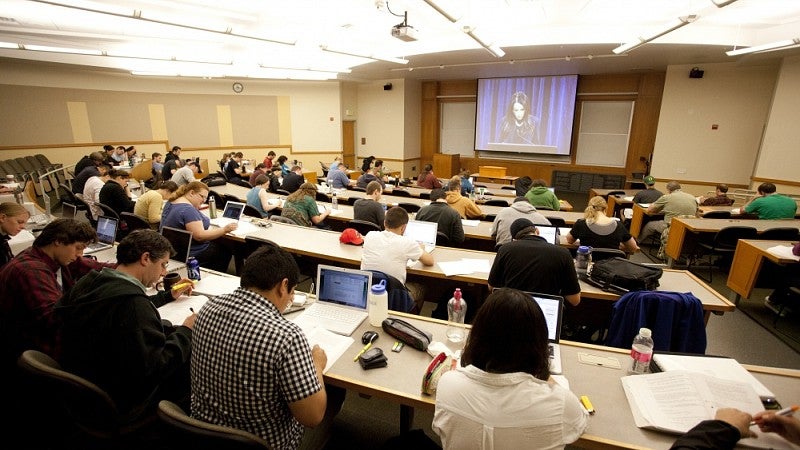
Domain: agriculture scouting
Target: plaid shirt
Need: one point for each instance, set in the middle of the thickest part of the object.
(248, 364)
(30, 290)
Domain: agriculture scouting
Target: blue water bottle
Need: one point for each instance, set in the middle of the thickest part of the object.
(193, 269)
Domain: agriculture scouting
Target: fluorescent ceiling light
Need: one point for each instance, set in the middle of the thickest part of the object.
(77, 51)
(765, 47)
(722, 4)
(390, 59)
(492, 48)
(9, 45)
(681, 22)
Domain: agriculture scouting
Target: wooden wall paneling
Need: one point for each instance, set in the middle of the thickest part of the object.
(429, 135)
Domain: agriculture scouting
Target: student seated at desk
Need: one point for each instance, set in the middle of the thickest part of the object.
(720, 199)
(293, 180)
(650, 193)
(13, 218)
(673, 204)
(369, 176)
(520, 208)
(730, 425)
(465, 207)
(151, 203)
(447, 218)
(598, 230)
(257, 196)
(539, 195)
(183, 212)
(428, 179)
(771, 205)
(502, 392)
(301, 207)
(369, 208)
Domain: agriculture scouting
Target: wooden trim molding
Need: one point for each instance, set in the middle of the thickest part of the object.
(775, 181)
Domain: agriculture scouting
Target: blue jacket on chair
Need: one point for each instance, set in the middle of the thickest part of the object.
(399, 297)
(676, 320)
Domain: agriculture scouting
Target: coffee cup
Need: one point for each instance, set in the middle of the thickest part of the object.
(171, 279)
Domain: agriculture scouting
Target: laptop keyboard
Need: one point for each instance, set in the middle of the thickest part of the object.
(550, 351)
(329, 312)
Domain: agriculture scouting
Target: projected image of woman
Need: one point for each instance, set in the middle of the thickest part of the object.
(519, 127)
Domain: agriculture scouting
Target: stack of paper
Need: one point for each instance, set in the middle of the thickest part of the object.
(178, 310)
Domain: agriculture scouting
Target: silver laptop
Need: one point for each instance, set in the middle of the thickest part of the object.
(553, 309)
(231, 214)
(422, 232)
(106, 234)
(341, 303)
(549, 233)
(68, 210)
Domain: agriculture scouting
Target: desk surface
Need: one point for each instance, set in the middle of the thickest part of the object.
(747, 262)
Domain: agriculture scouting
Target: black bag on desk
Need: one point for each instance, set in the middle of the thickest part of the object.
(214, 180)
(621, 275)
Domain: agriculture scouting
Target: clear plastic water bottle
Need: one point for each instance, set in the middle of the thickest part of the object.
(193, 269)
(378, 304)
(456, 313)
(641, 352)
(583, 258)
(335, 201)
(212, 207)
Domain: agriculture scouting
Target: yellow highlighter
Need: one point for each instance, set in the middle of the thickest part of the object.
(182, 285)
(587, 404)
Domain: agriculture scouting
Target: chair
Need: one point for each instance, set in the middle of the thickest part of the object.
(724, 242)
(622, 193)
(219, 200)
(281, 219)
(496, 202)
(108, 211)
(70, 197)
(543, 208)
(409, 207)
(717, 215)
(556, 221)
(134, 222)
(358, 188)
(325, 169)
(425, 195)
(229, 198)
(508, 188)
(676, 320)
(250, 211)
(488, 217)
(183, 431)
(599, 254)
(442, 239)
(323, 197)
(282, 192)
(400, 298)
(401, 193)
(88, 407)
(84, 206)
(363, 226)
(780, 234)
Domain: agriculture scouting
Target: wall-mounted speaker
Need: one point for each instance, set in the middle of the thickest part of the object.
(696, 73)
(387, 87)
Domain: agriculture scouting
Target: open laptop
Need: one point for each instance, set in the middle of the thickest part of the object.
(341, 303)
(232, 213)
(422, 232)
(68, 210)
(181, 241)
(550, 233)
(553, 309)
(106, 234)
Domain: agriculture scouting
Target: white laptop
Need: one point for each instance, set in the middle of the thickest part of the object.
(231, 214)
(422, 232)
(553, 308)
(106, 234)
(549, 233)
(341, 303)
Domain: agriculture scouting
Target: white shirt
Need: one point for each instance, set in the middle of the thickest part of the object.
(389, 253)
(91, 195)
(480, 410)
(184, 175)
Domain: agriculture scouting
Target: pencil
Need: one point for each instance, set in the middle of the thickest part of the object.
(789, 411)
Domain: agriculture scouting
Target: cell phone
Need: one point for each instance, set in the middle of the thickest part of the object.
(770, 403)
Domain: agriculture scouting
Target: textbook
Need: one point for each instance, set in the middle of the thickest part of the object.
(725, 368)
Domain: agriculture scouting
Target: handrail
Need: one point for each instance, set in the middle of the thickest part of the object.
(45, 197)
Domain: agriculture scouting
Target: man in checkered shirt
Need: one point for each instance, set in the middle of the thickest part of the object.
(251, 368)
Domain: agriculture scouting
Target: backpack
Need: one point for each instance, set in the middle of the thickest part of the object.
(621, 275)
(214, 180)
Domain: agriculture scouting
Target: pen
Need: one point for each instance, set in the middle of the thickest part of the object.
(789, 411)
(191, 309)
(366, 347)
(587, 404)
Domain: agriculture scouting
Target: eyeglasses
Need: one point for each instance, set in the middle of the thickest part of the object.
(204, 197)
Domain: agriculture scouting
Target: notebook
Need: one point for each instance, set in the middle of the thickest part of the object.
(341, 303)
(422, 232)
(549, 233)
(553, 308)
(106, 234)
(181, 241)
(231, 214)
(68, 211)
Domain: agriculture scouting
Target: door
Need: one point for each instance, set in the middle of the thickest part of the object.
(349, 144)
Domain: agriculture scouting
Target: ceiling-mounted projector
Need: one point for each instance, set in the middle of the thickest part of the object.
(404, 33)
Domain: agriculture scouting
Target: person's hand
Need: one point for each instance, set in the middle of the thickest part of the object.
(738, 419)
(186, 286)
(230, 227)
(787, 427)
(319, 357)
(189, 321)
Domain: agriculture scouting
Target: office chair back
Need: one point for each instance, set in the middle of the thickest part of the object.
(363, 226)
(400, 193)
(442, 239)
(323, 197)
(184, 431)
(717, 215)
(556, 221)
(219, 200)
(230, 198)
(250, 211)
(134, 222)
(780, 234)
(599, 254)
(496, 202)
(409, 207)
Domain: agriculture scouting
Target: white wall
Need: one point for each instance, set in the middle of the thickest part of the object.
(381, 120)
(736, 98)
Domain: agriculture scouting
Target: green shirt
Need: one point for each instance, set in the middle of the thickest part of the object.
(775, 206)
(301, 212)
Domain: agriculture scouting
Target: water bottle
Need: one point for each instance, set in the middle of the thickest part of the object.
(456, 313)
(193, 269)
(641, 352)
(378, 304)
(583, 258)
(335, 201)
(212, 207)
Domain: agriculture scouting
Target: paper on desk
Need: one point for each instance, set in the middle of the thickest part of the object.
(460, 267)
(628, 198)
(334, 344)
(213, 285)
(478, 265)
(783, 252)
(470, 223)
(178, 310)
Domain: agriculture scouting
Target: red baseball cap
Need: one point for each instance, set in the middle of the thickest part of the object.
(351, 236)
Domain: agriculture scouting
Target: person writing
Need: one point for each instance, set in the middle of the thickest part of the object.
(719, 199)
(518, 126)
(730, 425)
(600, 231)
(771, 205)
(502, 391)
(151, 203)
(301, 207)
(428, 179)
(257, 196)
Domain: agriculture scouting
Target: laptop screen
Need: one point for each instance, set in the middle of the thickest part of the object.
(233, 210)
(348, 287)
(552, 307)
(421, 231)
(68, 211)
(549, 233)
(106, 229)
(181, 241)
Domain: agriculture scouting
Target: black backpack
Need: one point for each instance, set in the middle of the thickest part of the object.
(621, 275)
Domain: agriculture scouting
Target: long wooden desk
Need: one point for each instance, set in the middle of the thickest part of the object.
(681, 229)
(747, 262)
(640, 218)
(508, 179)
